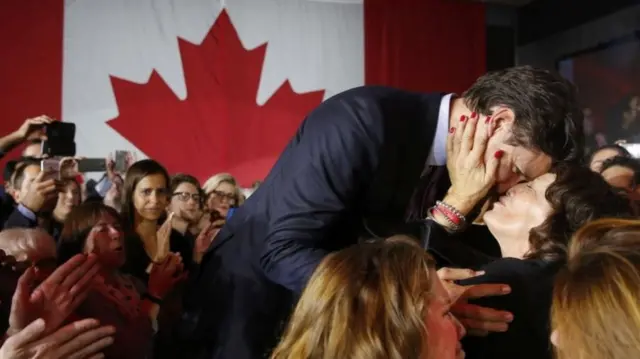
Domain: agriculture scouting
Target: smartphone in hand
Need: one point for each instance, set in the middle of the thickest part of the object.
(121, 161)
(51, 168)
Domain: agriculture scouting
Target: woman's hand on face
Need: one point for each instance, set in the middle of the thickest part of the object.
(78, 340)
(164, 276)
(56, 297)
(471, 177)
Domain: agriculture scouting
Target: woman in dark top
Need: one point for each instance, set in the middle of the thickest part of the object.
(533, 224)
(116, 298)
(146, 196)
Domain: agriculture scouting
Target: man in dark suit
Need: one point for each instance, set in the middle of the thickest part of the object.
(362, 165)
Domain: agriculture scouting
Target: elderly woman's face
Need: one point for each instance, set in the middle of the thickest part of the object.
(522, 208)
(222, 198)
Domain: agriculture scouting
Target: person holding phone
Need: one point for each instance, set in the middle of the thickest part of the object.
(31, 128)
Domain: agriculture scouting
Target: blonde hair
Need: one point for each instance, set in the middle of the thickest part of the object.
(596, 299)
(22, 243)
(368, 301)
(214, 181)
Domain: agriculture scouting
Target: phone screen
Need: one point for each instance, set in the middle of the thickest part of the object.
(121, 161)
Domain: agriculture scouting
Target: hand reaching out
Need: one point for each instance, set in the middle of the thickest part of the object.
(478, 320)
(78, 340)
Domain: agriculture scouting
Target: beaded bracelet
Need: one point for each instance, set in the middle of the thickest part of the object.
(452, 213)
(453, 227)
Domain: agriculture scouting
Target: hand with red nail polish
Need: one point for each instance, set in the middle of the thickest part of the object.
(471, 178)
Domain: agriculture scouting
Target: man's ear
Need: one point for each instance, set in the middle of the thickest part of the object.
(503, 117)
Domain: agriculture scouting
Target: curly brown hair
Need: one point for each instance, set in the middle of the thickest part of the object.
(577, 196)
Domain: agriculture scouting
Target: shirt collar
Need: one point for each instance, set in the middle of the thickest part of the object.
(438, 152)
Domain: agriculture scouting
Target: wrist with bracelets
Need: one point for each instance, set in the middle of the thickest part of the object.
(454, 218)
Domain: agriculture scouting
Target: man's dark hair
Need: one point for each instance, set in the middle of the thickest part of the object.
(18, 175)
(180, 178)
(9, 168)
(547, 114)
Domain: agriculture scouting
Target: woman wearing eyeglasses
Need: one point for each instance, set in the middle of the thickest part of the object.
(222, 194)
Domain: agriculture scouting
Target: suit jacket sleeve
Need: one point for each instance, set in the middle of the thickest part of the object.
(315, 183)
(21, 217)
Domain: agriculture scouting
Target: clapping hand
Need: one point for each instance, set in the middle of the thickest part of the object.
(163, 238)
(164, 276)
(205, 238)
(56, 297)
(78, 340)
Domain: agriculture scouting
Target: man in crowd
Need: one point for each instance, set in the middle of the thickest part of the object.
(362, 165)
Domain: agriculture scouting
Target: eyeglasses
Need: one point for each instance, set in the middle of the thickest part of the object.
(184, 196)
(231, 197)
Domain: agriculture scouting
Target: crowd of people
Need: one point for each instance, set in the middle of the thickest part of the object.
(395, 225)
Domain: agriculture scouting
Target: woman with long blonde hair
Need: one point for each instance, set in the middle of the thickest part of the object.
(596, 299)
(375, 300)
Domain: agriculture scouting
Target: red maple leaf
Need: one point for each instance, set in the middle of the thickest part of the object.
(219, 127)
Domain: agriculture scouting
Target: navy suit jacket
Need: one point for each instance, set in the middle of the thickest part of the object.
(349, 172)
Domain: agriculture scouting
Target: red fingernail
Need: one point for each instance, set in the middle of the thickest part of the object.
(473, 115)
(452, 130)
(487, 120)
(499, 154)
(463, 118)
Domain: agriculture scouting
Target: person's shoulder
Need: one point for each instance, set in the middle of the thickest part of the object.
(380, 93)
(508, 271)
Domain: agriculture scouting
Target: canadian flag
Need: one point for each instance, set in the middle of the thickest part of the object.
(201, 86)
(207, 86)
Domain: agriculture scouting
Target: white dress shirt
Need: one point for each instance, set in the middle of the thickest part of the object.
(438, 152)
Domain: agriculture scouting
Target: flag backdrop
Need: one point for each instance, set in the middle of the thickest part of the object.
(206, 86)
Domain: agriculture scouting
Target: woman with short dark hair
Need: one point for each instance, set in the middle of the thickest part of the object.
(533, 225)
